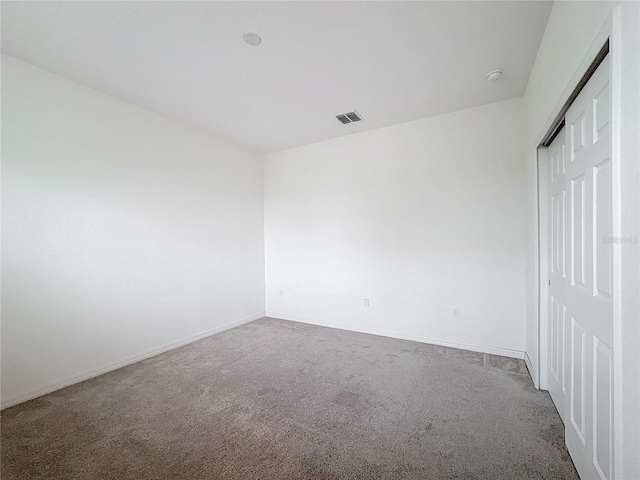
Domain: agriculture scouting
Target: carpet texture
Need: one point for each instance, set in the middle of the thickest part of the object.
(282, 400)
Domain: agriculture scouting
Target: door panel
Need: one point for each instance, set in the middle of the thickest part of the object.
(602, 234)
(602, 409)
(577, 390)
(577, 231)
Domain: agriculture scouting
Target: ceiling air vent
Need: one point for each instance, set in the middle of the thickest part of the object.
(349, 117)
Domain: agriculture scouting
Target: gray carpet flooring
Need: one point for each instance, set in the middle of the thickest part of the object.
(282, 400)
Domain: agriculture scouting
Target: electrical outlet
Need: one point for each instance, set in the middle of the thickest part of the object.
(456, 312)
(282, 293)
(366, 302)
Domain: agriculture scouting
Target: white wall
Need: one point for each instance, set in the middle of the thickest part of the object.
(571, 30)
(627, 393)
(418, 217)
(123, 232)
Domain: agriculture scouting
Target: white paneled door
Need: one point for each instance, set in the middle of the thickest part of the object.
(557, 273)
(580, 272)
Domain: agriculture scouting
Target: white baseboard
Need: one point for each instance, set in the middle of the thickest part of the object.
(114, 366)
(532, 372)
(504, 352)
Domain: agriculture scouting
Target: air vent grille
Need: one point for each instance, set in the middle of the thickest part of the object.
(349, 117)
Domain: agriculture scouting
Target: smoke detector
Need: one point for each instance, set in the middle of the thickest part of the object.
(252, 39)
(495, 75)
(349, 117)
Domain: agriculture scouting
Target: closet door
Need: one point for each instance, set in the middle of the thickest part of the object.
(557, 340)
(587, 292)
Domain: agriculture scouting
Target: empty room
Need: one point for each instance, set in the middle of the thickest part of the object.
(320, 240)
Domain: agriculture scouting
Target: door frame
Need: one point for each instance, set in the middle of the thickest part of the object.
(624, 49)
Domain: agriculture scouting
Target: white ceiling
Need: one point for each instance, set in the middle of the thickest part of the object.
(393, 62)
